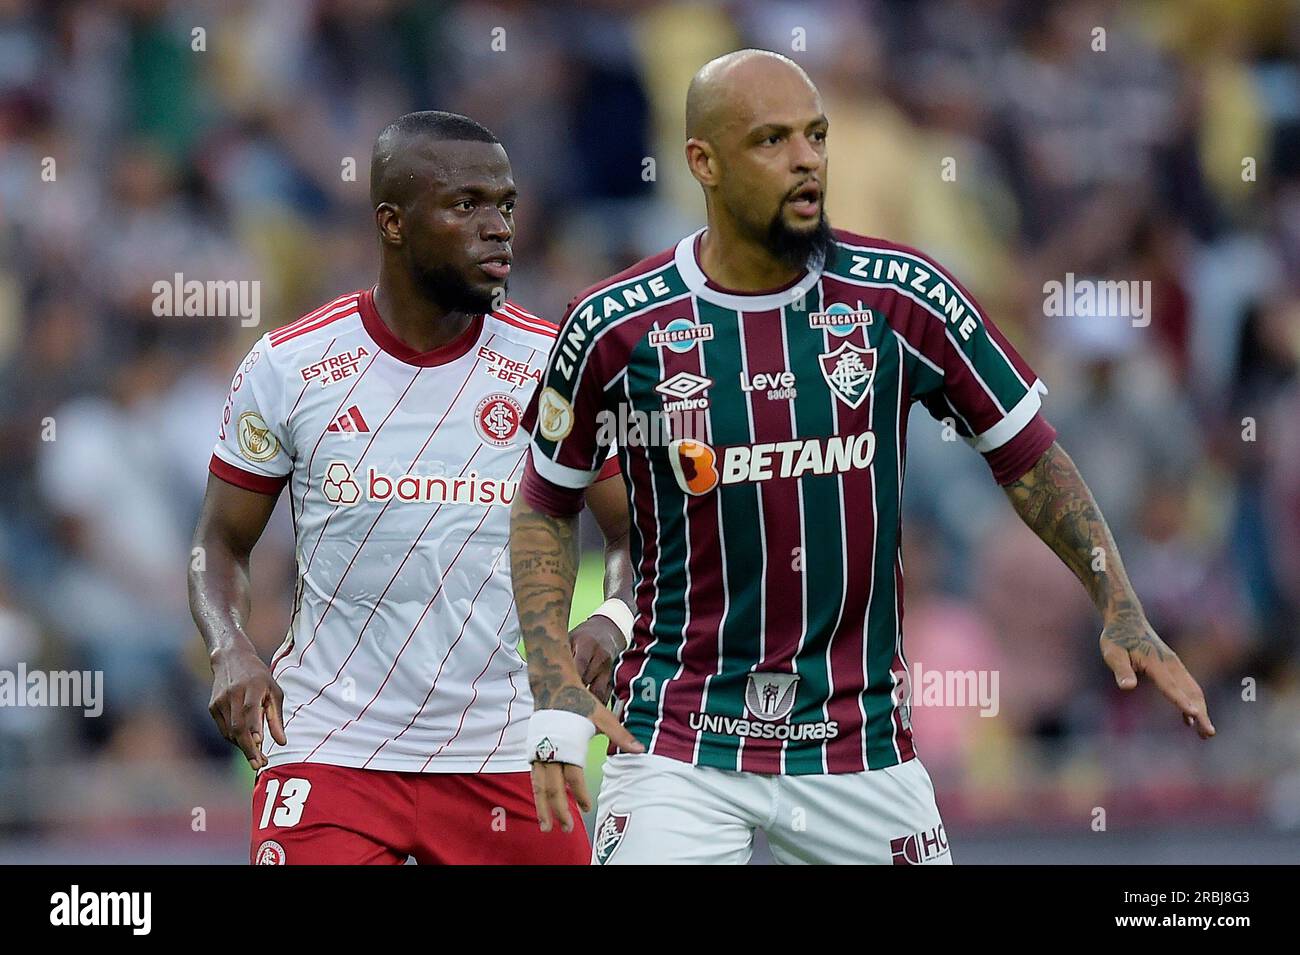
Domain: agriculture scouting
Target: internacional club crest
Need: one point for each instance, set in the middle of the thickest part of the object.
(497, 418)
(269, 852)
(848, 371)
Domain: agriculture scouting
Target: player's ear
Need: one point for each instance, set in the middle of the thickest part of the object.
(388, 219)
(702, 161)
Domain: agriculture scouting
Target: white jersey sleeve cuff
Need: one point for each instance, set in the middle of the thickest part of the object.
(559, 474)
(1013, 422)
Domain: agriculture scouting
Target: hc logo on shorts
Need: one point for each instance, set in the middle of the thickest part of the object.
(920, 847)
(770, 696)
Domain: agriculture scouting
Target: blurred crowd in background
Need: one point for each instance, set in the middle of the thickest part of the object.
(1015, 141)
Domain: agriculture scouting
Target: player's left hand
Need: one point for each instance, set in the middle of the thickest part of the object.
(553, 781)
(596, 643)
(1130, 646)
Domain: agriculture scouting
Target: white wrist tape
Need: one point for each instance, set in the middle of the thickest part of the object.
(558, 736)
(619, 612)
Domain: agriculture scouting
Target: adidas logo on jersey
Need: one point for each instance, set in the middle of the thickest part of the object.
(348, 422)
(699, 468)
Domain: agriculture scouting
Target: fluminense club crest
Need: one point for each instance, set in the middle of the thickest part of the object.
(546, 751)
(848, 370)
(609, 835)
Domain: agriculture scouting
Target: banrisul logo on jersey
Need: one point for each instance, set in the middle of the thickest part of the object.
(769, 698)
(700, 468)
(342, 488)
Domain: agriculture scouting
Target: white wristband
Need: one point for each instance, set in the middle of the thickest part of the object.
(558, 736)
(619, 612)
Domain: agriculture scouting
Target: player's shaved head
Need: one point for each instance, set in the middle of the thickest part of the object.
(410, 140)
(727, 90)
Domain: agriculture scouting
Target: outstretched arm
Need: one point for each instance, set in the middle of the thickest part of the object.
(1053, 500)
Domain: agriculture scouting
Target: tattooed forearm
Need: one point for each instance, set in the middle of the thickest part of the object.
(1057, 505)
(544, 566)
(1054, 501)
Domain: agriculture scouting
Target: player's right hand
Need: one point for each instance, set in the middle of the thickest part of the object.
(244, 694)
(552, 782)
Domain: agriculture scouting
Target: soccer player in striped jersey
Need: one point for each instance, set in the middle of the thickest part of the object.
(397, 707)
(765, 684)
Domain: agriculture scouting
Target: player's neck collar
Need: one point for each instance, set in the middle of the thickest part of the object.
(383, 337)
(688, 265)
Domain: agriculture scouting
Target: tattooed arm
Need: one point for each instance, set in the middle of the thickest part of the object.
(598, 640)
(1053, 500)
(544, 566)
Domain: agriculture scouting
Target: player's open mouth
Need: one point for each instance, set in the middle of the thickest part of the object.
(497, 266)
(807, 201)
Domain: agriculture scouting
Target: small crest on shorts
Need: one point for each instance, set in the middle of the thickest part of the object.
(269, 852)
(609, 835)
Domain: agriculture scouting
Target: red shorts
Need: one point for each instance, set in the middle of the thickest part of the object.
(316, 814)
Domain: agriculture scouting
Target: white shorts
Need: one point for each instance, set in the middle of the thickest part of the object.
(655, 810)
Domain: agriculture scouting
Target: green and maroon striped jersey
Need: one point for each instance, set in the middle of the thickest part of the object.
(761, 439)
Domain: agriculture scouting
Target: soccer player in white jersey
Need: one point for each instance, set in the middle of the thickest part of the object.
(392, 721)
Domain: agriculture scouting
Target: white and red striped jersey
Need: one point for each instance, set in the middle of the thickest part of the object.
(402, 652)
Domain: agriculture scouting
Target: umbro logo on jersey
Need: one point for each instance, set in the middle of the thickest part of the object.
(680, 335)
(848, 371)
(699, 468)
(350, 421)
(683, 388)
(683, 385)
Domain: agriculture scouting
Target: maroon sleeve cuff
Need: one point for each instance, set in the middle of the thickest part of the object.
(609, 469)
(1011, 461)
(247, 479)
(546, 497)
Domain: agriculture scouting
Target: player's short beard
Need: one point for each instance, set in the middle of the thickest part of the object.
(797, 249)
(447, 288)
